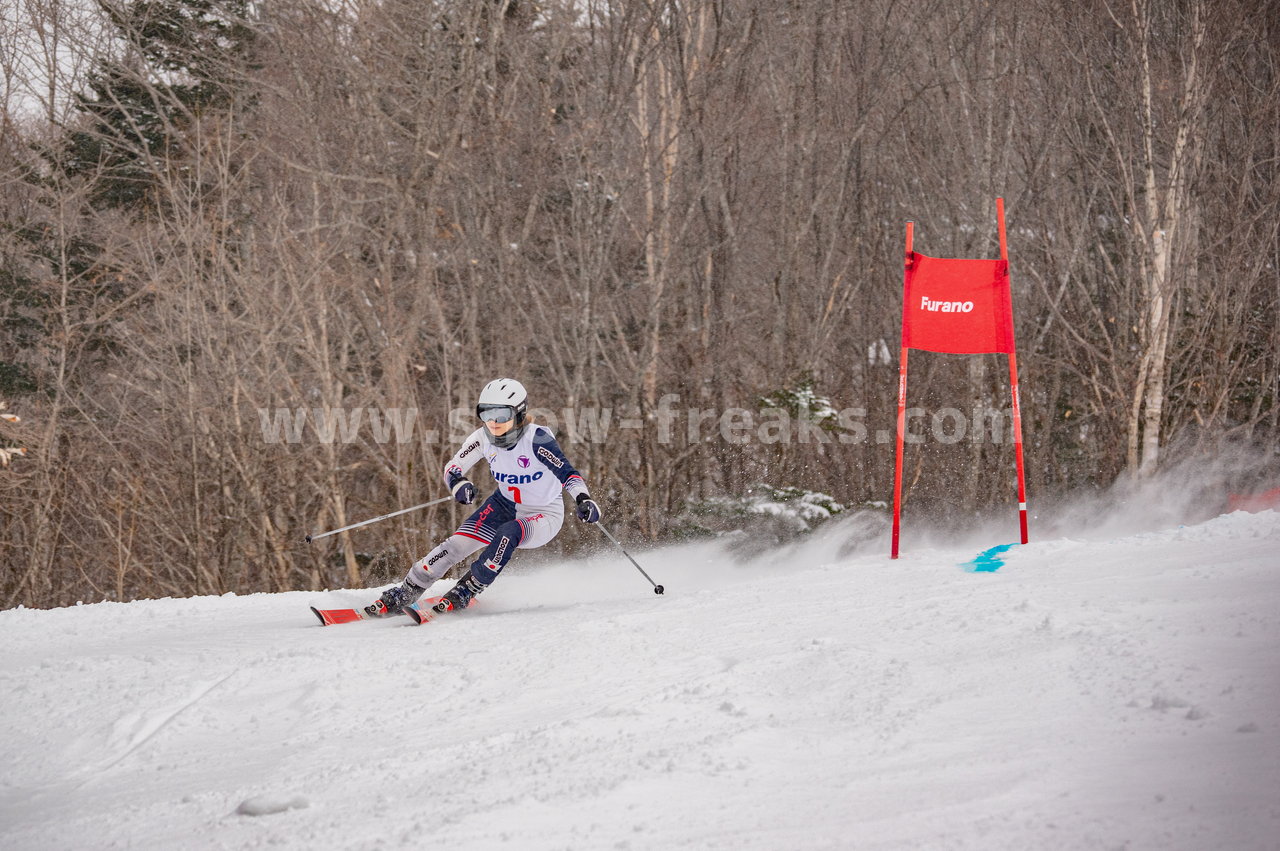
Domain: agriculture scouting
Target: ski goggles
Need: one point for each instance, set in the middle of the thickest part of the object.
(496, 413)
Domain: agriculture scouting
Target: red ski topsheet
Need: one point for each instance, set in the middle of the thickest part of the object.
(330, 617)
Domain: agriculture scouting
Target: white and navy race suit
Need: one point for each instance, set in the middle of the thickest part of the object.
(525, 511)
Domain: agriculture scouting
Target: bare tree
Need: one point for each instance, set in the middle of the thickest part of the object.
(246, 288)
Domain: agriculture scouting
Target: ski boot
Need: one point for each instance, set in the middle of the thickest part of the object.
(394, 600)
(460, 595)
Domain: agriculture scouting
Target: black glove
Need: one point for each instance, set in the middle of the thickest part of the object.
(463, 491)
(588, 511)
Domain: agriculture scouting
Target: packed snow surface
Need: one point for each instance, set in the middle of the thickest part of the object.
(1113, 692)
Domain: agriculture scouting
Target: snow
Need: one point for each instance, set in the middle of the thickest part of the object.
(1118, 692)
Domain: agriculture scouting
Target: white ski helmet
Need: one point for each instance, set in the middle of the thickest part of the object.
(504, 392)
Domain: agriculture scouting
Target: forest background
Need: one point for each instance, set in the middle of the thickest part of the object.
(257, 259)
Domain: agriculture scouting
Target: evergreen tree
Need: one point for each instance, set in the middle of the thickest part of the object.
(181, 60)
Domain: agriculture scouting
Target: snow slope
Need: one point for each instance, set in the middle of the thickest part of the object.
(1120, 693)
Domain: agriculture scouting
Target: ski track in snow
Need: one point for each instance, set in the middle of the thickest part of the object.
(1088, 694)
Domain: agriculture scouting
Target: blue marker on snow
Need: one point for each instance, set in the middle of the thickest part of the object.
(988, 561)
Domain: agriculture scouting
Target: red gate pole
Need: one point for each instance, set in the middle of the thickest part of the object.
(1017, 397)
(902, 409)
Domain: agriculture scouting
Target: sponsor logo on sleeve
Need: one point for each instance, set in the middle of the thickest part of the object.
(549, 457)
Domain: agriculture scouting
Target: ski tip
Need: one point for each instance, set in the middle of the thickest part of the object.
(316, 612)
(423, 610)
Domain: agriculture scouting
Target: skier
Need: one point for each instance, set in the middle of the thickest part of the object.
(526, 510)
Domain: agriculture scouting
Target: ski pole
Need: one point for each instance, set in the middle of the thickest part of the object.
(657, 589)
(311, 538)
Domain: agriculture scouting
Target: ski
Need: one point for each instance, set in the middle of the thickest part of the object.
(426, 613)
(330, 617)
